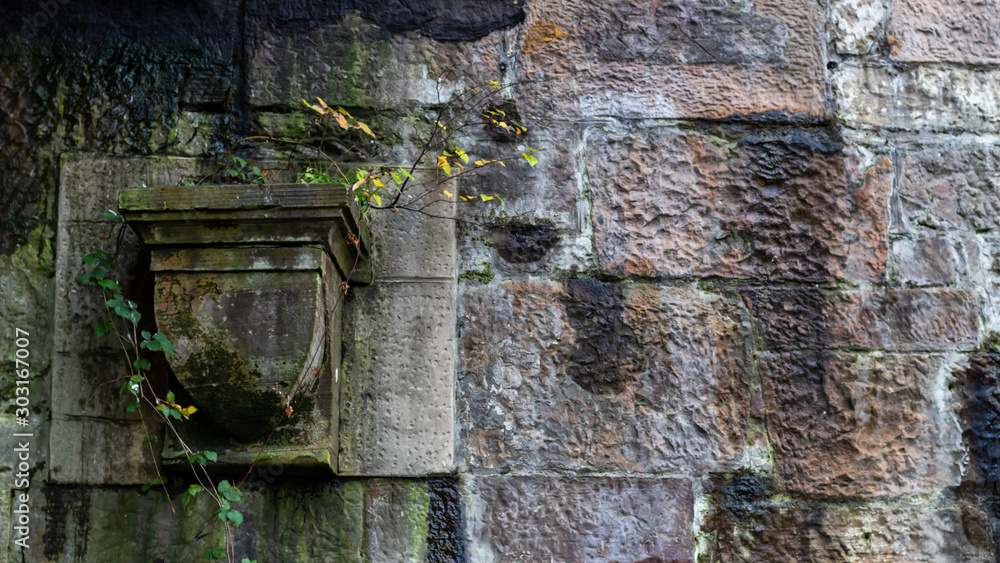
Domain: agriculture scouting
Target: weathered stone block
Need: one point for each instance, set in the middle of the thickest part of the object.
(90, 384)
(411, 244)
(639, 59)
(898, 320)
(795, 207)
(857, 25)
(603, 377)
(89, 184)
(582, 519)
(751, 526)
(918, 97)
(948, 188)
(396, 518)
(965, 31)
(397, 395)
(352, 62)
(860, 425)
(935, 259)
(100, 451)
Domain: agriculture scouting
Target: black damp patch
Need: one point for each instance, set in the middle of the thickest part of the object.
(443, 20)
(523, 242)
(504, 113)
(444, 521)
(778, 158)
(61, 504)
(606, 354)
(980, 416)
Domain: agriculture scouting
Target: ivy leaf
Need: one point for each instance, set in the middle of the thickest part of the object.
(103, 328)
(164, 343)
(112, 216)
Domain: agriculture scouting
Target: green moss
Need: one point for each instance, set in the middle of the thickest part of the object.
(484, 274)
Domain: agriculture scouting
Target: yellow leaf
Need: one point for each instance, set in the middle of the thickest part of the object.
(378, 183)
(479, 163)
(341, 121)
(443, 164)
(365, 128)
(322, 103)
(500, 162)
(377, 200)
(186, 412)
(447, 193)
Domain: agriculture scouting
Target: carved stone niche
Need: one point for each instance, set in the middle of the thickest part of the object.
(247, 283)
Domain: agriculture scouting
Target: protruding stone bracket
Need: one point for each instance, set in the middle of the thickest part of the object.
(246, 284)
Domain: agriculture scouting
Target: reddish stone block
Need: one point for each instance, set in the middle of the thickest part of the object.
(599, 376)
(961, 31)
(647, 59)
(897, 320)
(583, 519)
(791, 208)
(859, 425)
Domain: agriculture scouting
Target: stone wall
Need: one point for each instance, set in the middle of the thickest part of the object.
(746, 307)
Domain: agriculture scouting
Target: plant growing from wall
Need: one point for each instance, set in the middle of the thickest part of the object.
(439, 159)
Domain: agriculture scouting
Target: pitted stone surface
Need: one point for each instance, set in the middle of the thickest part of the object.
(949, 188)
(608, 378)
(862, 425)
(918, 98)
(583, 519)
(795, 208)
(752, 527)
(637, 58)
(897, 320)
(397, 394)
(937, 258)
(963, 31)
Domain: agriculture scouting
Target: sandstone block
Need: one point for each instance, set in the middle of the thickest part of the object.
(638, 59)
(897, 320)
(351, 62)
(788, 208)
(752, 526)
(397, 394)
(409, 244)
(600, 376)
(583, 519)
(92, 451)
(964, 31)
(858, 425)
(857, 25)
(918, 97)
(949, 188)
(935, 259)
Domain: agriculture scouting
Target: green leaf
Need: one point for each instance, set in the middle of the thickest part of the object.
(216, 553)
(236, 517)
(170, 397)
(131, 407)
(531, 160)
(110, 215)
(164, 343)
(212, 456)
(141, 364)
(103, 328)
(150, 484)
(108, 284)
